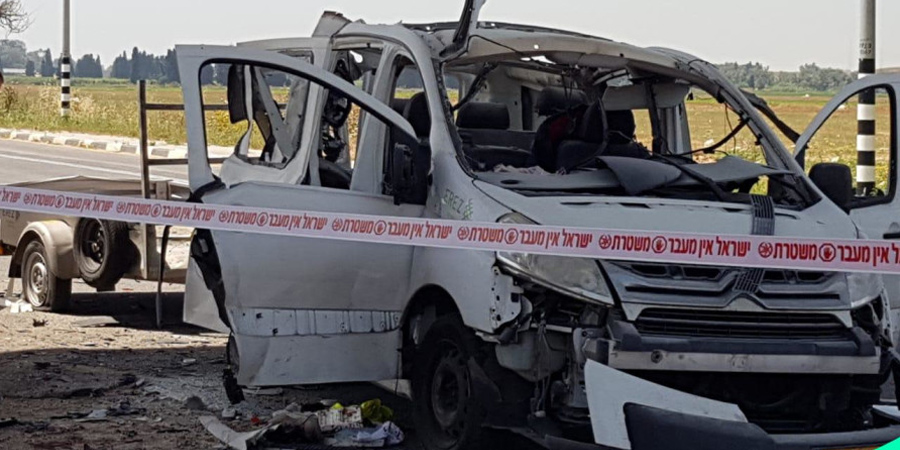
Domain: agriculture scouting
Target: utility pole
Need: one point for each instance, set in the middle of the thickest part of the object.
(65, 62)
(865, 140)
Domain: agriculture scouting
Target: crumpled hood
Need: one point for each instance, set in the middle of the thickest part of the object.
(823, 220)
(641, 285)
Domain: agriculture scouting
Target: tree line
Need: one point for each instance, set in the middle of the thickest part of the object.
(140, 65)
(810, 77)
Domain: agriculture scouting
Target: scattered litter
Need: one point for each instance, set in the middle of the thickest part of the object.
(188, 362)
(38, 323)
(288, 427)
(229, 413)
(270, 392)
(335, 425)
(375, 412)
(140, 382)
(18, 306)
(339, 417)
(97, 415)
(101, 415)
(195, 403)
(95, 322)
(387, 434)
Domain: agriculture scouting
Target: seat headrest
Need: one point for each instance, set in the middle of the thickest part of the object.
(483, 116)
(593, 125)
(621, 126)
(399, 105)
(416, 112)
(555, 100)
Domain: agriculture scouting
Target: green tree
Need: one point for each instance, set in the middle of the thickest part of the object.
(47, 67)
(137, 66)
(30, 69)
(171, 65)
(13, 53)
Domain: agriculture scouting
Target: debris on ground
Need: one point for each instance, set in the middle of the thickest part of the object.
(270, 392)
(385, 435)
(8, 422)
(38, 323)
(95, 322)
(375, 412)
(229, 413)
(195, 403)
(18, 306)
(332, 426)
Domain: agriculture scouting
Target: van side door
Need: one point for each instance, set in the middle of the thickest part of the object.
(304, 310)
(834, 136)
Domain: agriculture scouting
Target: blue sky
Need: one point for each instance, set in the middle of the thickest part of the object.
(780, 33)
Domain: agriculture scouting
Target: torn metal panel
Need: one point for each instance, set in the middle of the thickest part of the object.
(290, 322)
(314, 359)
(608, 391)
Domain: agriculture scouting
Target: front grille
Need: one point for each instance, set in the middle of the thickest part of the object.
(708, 273)
(740, 325)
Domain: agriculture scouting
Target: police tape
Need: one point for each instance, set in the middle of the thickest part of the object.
(644, 246)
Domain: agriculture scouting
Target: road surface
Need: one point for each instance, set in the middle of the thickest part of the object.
(22, 161)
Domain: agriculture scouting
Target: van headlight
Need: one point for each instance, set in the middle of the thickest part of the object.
(864, 288)
(575, 277)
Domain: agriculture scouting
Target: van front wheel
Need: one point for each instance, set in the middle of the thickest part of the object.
(448, 413)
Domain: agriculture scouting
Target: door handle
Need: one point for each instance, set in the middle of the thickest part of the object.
(892, 235)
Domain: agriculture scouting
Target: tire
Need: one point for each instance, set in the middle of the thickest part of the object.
(448, 414)
(44, 290)
(103, 252)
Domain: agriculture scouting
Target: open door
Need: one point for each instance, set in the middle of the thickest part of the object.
(828, 151)
(302, 310)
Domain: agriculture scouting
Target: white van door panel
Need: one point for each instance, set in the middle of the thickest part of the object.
(303, 310)
(878, 219)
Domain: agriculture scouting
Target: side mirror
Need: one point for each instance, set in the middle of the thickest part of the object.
(409, 163)
(835, 181)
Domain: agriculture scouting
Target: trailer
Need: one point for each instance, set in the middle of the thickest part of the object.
(50, 251)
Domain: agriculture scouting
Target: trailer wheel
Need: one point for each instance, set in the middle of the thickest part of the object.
(448, 414)
(103, 252)
(44, 290)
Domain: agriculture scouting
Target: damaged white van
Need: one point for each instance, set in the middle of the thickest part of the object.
(493, 122)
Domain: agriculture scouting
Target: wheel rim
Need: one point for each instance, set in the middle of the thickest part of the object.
(449, 391)
(37, 279)
(93, 245)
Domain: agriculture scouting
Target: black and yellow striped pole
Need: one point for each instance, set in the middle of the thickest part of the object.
(865, 140)
(65, 64)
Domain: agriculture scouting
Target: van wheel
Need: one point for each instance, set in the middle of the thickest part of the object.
(102, 252)
(448, 413)
(44, 290)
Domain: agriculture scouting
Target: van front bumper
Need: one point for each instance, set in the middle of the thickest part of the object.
(654, 429)
(627, 412)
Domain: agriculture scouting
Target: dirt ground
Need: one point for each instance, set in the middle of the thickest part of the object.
(57, 369)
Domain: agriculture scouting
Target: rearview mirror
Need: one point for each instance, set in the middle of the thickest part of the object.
(409, 165)
(835, 181)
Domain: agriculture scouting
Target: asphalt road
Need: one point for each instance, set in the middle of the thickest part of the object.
(28, 161)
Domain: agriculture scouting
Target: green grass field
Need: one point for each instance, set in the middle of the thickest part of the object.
(111, 107)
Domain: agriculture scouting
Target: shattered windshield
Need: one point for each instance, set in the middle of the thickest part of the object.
(541, 128)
